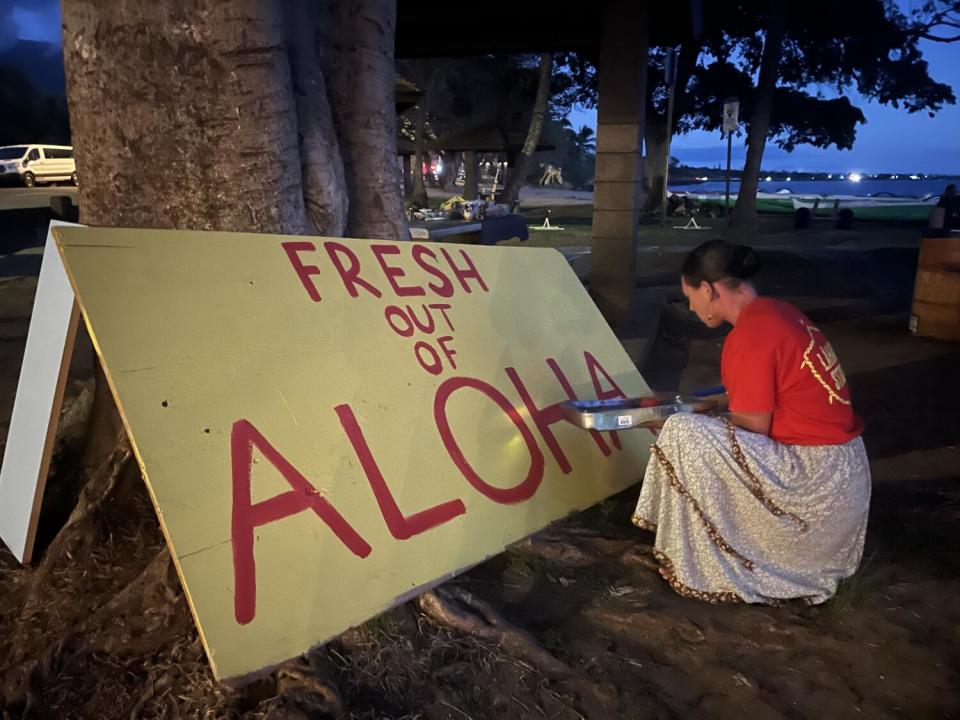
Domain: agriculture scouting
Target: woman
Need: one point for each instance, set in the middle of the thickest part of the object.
(769, 502)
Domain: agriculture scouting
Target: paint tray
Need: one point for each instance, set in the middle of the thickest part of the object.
(618, 414)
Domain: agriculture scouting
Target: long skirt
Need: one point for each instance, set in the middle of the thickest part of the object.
(740, 517)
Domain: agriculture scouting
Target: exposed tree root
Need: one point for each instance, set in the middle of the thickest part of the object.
(301, 695)
(640, 556)
(141, 617)
(576, 547)
(464, 611)
(560, 550)
(105, 584)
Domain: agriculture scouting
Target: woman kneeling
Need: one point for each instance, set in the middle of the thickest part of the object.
(770, 502)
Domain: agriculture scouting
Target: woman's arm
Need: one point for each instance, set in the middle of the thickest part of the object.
(754, 422)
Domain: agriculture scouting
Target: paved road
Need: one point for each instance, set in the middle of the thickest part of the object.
(21, 198)
(24, 214)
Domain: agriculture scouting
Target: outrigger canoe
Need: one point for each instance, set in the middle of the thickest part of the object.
(877, 207)
(874, 207)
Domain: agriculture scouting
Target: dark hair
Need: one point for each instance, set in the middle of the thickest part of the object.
(720, 261)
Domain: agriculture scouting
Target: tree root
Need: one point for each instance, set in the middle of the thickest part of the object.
(559, 550)
(135, 608)
(79, 530)
(141, 617)
(137, 621)
(641, 556)
(302, 695)
(462, 610)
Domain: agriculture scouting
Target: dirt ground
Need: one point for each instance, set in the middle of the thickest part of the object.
(100, 629)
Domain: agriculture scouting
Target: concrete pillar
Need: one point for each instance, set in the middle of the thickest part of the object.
(617, 196)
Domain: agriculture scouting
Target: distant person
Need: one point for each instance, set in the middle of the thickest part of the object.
(769, 502)
(950, 202)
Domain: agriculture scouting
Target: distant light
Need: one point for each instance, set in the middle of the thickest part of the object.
(840, 176)
(704, 179)
(789, 179)
(855, 177)
(769, 179)
(829, 177)
(914, 177)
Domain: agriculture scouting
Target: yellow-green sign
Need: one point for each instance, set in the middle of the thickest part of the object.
(329, 426)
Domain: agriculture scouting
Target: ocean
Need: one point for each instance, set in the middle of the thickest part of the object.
(898, 188)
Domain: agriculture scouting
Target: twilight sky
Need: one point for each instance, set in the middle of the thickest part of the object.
(890, 141)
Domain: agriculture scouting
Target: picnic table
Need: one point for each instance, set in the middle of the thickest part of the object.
(488, 231)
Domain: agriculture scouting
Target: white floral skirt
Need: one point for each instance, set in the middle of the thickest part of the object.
(740, 517)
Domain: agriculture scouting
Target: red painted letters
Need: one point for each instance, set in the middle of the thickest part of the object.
(505, 496)
(593, 367)
(392, 273)
(349, 274)
(543, 419)
(571, 395)
(303, 271)
(464, 274)
(248, 516)
(401, 526)
(418, 252)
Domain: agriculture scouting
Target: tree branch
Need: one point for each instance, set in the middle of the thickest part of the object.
(936, 38)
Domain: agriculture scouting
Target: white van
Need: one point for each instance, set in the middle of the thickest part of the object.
(34, 164)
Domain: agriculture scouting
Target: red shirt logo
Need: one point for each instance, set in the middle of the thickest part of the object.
(822, 362)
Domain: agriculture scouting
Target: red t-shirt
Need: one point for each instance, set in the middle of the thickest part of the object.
(775, 360)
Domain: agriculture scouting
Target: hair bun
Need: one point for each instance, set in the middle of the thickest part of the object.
(745, 263)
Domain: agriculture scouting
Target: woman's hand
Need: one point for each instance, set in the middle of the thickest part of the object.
(754, 422)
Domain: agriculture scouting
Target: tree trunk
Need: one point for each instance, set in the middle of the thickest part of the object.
(206, 115)
(419, 189)
(360, 71)
(451, 167)
(471, 179)
(745, 211)
(511, 193)
(407, 170)
(324, 181)
(654, 160)
(183, 115)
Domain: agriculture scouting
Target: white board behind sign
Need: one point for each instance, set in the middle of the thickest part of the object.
(53, 326)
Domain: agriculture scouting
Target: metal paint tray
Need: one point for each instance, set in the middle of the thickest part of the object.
(624, 414)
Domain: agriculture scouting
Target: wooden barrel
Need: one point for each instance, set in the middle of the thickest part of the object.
(936, 293)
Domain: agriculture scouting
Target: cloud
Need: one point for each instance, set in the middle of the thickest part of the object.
(8, 28)
(36, 19)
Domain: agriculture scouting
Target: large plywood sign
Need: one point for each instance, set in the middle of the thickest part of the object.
(36, 408)
(329, 426)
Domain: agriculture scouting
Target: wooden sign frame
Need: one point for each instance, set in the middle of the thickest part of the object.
(327, 427)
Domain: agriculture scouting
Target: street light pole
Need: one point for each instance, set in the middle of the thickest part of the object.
(726, 201)
(731, 112)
